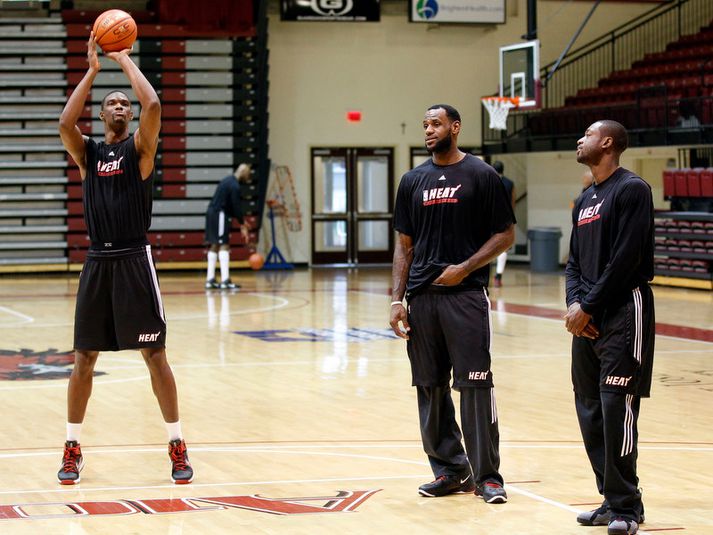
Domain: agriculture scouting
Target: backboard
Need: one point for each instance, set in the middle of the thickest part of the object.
(520, 72)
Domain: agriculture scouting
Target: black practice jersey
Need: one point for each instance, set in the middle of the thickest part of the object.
(117, 203)
(612, 243)
(450, 212)
(226, 198)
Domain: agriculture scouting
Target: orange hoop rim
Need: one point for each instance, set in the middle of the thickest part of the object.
(512, 100)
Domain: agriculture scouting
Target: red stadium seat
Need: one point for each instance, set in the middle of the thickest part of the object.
(707, 182)
(668, 185)
(693, 181)
(680, 183)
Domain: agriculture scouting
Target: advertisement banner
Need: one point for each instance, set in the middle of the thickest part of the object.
(457, 11)
(330, 10)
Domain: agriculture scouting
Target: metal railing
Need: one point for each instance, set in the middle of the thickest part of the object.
(621, 47)
(587, 65)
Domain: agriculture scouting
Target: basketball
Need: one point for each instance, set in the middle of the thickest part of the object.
(114, 30)
(256, 261)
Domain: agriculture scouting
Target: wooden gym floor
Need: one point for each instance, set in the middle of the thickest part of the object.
(299, 415)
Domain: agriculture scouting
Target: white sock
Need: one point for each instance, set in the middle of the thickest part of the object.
(73, 432)
(174, 430)
(212, 261)
(502, 258)
(224, 257)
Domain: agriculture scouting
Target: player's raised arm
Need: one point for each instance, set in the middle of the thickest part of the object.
(72, 137)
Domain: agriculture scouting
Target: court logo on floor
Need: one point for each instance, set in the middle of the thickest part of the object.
(29, 365)
(344, 501)
(321, 335)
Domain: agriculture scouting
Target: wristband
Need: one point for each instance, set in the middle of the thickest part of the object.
(396, 303)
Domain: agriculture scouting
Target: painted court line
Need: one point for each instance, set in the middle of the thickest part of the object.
(26, 318)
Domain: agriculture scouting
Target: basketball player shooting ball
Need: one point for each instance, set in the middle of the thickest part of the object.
(118, 300)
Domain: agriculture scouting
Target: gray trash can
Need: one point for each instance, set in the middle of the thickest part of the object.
(544, 248)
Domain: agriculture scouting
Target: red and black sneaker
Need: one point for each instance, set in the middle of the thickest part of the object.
(72, 464)
(492, 492)
(181, 471)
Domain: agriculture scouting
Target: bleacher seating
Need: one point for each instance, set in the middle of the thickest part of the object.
(697, 182)
(683, 71)
(214, 100)
(671, 89)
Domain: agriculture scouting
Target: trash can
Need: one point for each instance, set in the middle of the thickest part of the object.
(544, 248)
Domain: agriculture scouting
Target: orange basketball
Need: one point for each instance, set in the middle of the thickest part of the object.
(115, 30)
(256, 261)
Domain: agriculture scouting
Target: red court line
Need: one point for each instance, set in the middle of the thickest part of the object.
(664, 329)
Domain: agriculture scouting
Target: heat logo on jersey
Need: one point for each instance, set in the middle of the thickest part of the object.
(589, 214)
(110, 168)
(440, 195)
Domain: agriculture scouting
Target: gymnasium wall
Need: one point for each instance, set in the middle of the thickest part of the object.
(392, 71)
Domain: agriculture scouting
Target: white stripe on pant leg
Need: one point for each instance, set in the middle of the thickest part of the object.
(493, 407)
(638, 324)
(490, 321)
(627, 445)
(154, 278)
(221, 224)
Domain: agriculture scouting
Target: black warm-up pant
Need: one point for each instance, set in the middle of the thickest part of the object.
(610, 375)
(610, 435)
(442, 437)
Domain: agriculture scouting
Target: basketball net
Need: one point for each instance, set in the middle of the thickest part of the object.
(282, 198)
(498, 109)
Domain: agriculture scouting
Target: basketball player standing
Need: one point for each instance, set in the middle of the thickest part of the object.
(611, 315)
(118, 300)
(453, 217)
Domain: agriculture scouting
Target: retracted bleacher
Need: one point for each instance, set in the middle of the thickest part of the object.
(213, 90)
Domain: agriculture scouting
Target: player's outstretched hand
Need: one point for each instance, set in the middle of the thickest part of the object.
(398, 315)
(92, 57)
(116, 56)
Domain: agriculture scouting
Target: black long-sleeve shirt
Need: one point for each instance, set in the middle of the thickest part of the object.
(612, 242)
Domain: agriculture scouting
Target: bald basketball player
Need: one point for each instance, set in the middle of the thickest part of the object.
(611, 317)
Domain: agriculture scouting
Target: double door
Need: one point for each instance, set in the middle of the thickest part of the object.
(352, 202)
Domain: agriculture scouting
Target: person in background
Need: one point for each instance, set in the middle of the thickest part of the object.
(225, 204)
(503, 257)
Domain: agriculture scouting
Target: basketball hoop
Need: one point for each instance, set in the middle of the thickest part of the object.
(498, 109)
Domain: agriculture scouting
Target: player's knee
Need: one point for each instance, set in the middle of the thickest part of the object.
(154, 356)
(84, 361)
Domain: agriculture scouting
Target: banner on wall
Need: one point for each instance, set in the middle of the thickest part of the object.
(457, 11)
(330, 10)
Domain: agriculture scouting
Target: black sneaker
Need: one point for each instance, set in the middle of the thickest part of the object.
(492, 492)
(181, 470)
(622, 526)
(598, 517)
(227, 284)
(211, 284)
(72, 464)
(444, 485)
